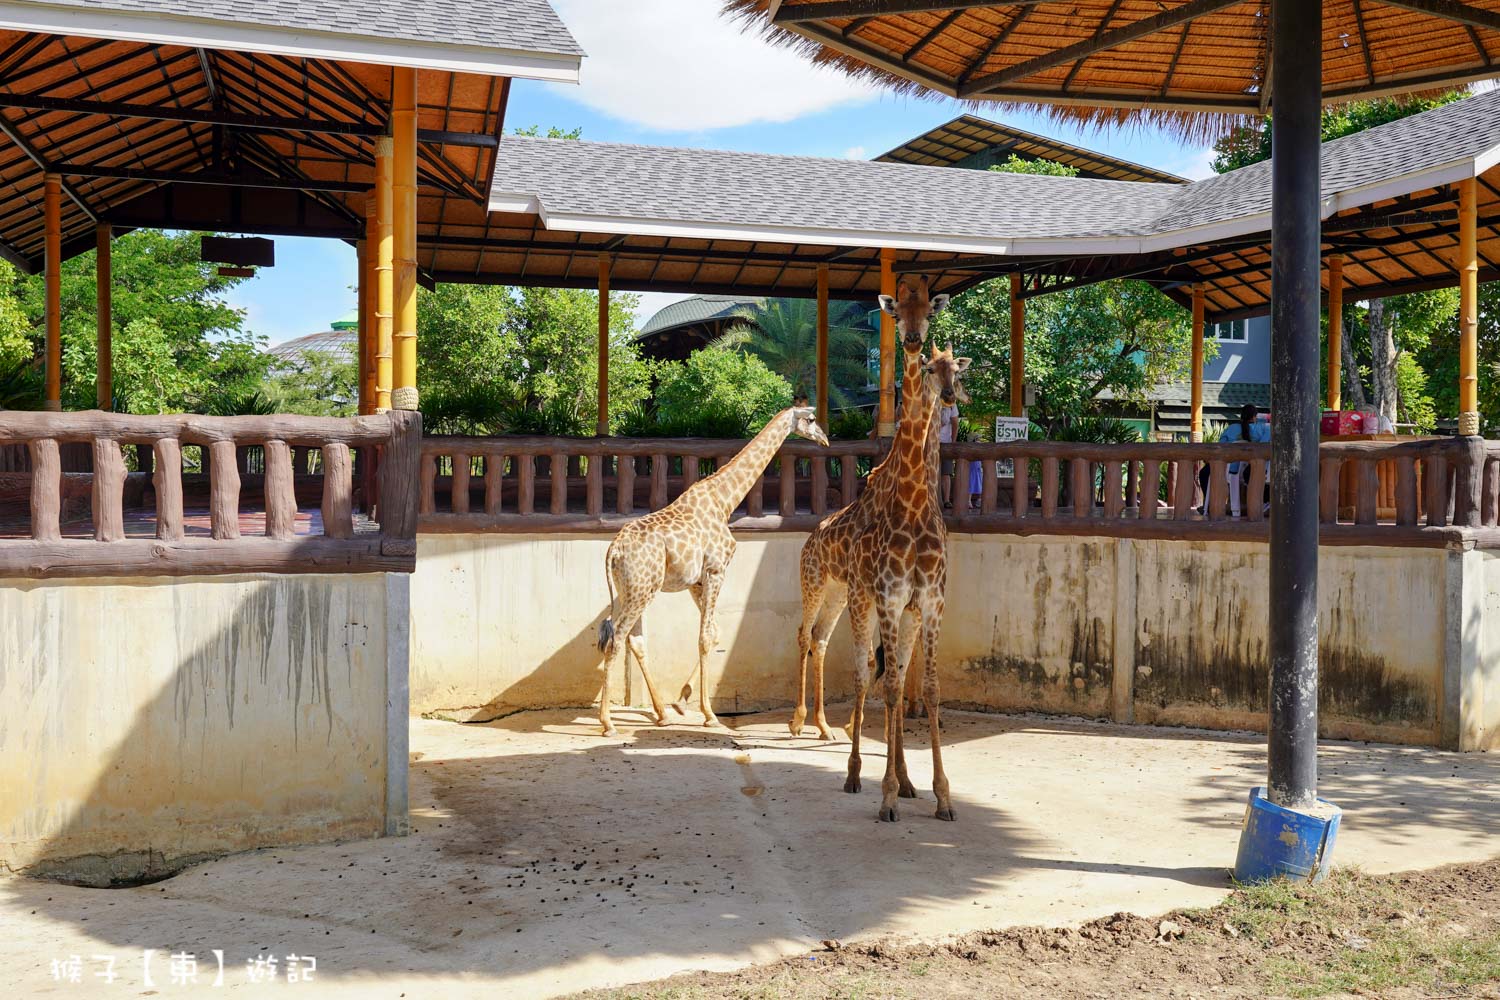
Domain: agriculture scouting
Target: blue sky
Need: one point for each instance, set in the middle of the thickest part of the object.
(672, 72)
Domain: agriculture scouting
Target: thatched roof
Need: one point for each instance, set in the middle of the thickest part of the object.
(1194, 66)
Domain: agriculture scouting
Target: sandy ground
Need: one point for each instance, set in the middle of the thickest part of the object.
(545, 859)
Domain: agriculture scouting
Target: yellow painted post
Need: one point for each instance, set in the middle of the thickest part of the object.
(104, 324)
(1017, 348)
(1196, 424)
(1335, 332)
(1468, 308)
(385, 274)
(369, 249)
(52, 216)
(821, 386)
(887, 416)
(404, 136)
(602, 354)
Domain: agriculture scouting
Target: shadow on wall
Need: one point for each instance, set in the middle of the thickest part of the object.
(146, 724)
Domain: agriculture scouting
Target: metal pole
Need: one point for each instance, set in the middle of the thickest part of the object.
(1297, 35)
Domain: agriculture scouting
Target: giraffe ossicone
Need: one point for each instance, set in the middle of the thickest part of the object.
(686, 545)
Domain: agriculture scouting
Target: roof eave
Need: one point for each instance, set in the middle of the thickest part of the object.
(164, 29)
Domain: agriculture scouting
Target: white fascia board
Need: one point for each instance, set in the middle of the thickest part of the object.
(1395, 187)
(515, 203)
(614, 226)
(162, 29)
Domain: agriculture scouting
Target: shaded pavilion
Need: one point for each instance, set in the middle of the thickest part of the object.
(1229, 58)
(376, 124)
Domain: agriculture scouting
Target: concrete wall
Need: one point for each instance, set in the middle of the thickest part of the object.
(146, 722)
(1247, 360)
(1151, 631)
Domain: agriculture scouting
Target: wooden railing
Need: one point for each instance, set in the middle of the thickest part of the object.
(392, 440)
(1408, 492)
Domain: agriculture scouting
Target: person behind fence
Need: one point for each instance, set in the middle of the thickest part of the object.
(1250, 429)
(947, 434)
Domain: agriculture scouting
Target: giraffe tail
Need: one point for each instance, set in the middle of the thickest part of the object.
(607, 627)
(879, 662)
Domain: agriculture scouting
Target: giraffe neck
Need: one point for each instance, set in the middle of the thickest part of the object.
(734, 480)
(907, 461)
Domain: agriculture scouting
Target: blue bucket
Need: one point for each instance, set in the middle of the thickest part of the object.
(1277, 842)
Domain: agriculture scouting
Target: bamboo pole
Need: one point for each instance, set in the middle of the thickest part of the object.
(104, 392)
(1017, 348)
(52, 214)
(602, 354)
(1335, 332)
(1468, 309)
(385, 275)
(404, 189)
(1196, 425)
(887, 417)
(821, 388)
(369, 249)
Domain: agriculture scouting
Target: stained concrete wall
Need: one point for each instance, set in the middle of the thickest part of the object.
(146, 722)
(1151, 631)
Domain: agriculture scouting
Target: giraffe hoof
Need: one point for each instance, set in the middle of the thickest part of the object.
(661, 720)
(611, 731)
(851, 784)
(798, 718)
(888, 814)
(947, 814)
(907, 792)
(825, 736)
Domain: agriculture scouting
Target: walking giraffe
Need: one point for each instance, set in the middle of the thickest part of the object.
(686, 545)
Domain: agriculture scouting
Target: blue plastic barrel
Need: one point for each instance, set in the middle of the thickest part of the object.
(1276, 842)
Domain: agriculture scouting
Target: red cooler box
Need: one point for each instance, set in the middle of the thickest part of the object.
(1336, 422)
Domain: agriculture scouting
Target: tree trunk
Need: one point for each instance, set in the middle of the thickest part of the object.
(1354, 388)
(1383, 356)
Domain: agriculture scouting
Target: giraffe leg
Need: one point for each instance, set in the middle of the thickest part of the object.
(909, 632)
(635, 645)
(707, 596)
(932, 619)
(864, 665)
(890, 784)
(613, 649)
(812, 602)
(824, 628)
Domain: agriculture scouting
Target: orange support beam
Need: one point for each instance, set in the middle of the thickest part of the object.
(1196, 425)
(1335, 332)
(104, 321)
(385, 274)
(602, 358)
(1468, 308)
(404, 188)
(821, 388)
(52, 216)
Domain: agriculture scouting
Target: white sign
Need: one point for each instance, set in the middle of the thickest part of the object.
(1010, 429)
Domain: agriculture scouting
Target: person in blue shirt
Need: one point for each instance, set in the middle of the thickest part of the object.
(1248, 428)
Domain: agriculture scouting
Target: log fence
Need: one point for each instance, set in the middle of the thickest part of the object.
(1407, 490)
(282, 445)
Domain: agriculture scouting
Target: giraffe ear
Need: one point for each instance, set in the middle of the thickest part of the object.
(940, 302)
(962, 364)
(888, 305)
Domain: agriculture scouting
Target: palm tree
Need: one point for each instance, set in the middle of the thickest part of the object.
(784, 334)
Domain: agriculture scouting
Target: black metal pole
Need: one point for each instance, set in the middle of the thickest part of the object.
(1296, 46)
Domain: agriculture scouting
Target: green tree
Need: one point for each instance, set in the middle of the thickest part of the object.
(784, 334)
(1039, 168)
(318, 384)
(1247, 144)
(523, 360)
(718, 394)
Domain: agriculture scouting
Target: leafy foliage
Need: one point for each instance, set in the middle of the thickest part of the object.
(718, 394)
(319, 384)
(1249, 144)
(1039, 168)
(784, 334)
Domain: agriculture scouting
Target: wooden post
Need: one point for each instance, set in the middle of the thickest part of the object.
(104, 367)
(109, 489)
(223, 491)
(1335, 332)
(281, 496)
(602, 426)
(52, 215)
(46, 490)
(820, 390)
(385, 273)
(404, 192)
(338, 488)
(1468, 309)
(1017, 348)
(887, 417)
(1196, 424)
(167, 478)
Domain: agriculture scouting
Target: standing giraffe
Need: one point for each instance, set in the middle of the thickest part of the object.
(828, 553)
(687, 545)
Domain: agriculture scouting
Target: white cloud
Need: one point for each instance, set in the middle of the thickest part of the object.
(1194, 164)
(679, 65)
(854, 153)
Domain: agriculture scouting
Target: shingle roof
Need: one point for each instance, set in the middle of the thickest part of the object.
(516, 25)
(696, 309)
(684, 192)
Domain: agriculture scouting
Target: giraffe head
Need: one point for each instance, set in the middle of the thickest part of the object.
(942, 375)
(913, 309)
(805, 424)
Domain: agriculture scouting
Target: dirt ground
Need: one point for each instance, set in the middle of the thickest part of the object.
(1432, 934)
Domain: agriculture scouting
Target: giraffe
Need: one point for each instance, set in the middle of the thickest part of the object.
(828, 552)
(686, 545)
